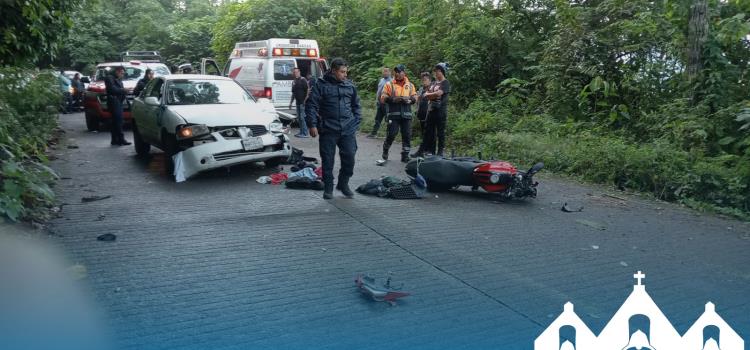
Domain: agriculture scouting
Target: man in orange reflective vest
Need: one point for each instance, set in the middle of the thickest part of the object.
(398, 96)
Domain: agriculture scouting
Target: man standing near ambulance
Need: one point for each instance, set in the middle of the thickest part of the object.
(398, 96)
(300, 92)
(334, 111)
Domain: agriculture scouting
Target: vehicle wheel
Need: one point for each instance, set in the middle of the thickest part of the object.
(433, 187)
(274, 162)
(92, 121)
(142, 148)
(169, 143)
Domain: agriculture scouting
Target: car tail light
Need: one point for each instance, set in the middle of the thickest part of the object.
(277, 52)
(312, 52)
(267, 93)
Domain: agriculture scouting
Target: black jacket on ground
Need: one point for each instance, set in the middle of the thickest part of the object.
(333, 106)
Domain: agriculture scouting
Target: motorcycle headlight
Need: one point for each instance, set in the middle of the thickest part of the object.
(495, 178)
(190, 131)
(276, 126)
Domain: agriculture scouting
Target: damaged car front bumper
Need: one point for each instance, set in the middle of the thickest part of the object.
(219, 152)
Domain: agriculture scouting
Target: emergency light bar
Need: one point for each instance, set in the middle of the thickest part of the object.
(291, 52)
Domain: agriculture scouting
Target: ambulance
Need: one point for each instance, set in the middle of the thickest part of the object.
(264, 67)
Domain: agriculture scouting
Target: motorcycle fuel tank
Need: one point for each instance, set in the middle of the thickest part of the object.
(495, 176)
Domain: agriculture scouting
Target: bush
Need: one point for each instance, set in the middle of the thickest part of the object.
(720, 182)
(29, 101)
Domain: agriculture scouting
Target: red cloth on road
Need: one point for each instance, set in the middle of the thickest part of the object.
(279, 178)
(319, 172)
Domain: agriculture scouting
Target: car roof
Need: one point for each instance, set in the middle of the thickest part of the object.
(194, 76)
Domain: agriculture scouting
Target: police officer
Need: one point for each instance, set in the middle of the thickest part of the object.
(398, 96)
(115, 98)
(333, 111)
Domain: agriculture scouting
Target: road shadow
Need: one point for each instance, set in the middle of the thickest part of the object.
(155, 165)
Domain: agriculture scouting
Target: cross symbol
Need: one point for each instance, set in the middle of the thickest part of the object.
(639, 276)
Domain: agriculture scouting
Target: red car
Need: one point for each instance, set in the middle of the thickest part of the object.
(95, 100)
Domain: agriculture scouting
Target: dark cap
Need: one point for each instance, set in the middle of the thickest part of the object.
(399, 68)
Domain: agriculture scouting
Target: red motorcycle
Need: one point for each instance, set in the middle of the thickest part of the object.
(503, 178)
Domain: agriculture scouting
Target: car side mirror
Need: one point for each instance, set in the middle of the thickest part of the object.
(85, 80)
(151, 101)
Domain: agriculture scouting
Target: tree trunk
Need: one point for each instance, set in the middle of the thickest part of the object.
(697, 35)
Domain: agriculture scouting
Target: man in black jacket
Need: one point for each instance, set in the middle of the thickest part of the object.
(116, 95)
(333, 109)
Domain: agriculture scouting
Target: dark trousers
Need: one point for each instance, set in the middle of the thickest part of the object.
(394, 126)
(379, 114)
(347, 145)
(423, 133)
(115, 108)
(435, 126)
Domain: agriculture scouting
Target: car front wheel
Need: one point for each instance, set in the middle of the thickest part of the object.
(92, 121)
(169, 146)
(142, 148)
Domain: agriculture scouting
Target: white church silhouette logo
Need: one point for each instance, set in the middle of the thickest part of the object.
(639, 325)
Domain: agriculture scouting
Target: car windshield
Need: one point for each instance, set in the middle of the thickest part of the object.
(201, 92)
(131, 73)
(160, 70)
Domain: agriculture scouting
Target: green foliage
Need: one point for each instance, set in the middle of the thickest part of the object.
(28, 116)
(179, 30)
(30, 30)
(260, 20)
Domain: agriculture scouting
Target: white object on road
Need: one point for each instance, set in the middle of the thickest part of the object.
(179, 167)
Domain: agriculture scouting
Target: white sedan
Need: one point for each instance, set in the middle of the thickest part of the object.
(206, 122)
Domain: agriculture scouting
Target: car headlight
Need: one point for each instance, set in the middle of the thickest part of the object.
(190, 131)
(495, 178)
(276, 126)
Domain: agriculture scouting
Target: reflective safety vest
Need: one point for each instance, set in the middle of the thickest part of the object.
(394, 108)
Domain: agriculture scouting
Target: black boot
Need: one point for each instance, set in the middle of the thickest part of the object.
(405, 156)
(343, 186)
(328, 191)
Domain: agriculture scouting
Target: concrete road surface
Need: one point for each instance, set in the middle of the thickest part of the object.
(223, 262)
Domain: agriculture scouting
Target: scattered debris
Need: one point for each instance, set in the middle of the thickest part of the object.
(595, 247)
(568, 209)
(94, 198)
(72, 146)
(592, 224)
(77, 271)
(613, 196)
(379, 291)
(264, 180)
(107, 237)
(624, 264)
(100, 217)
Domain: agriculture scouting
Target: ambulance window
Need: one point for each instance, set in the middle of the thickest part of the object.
(282, 70)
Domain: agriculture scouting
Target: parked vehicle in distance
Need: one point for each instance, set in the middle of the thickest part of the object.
(264, 67)
(210, 120)
(95, 100)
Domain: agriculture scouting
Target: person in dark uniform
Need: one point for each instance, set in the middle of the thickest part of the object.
(116, 95)
(300, 91)
(422, 105)
(333, 111)
(142, 83)
(437, 116)
(398, 95)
